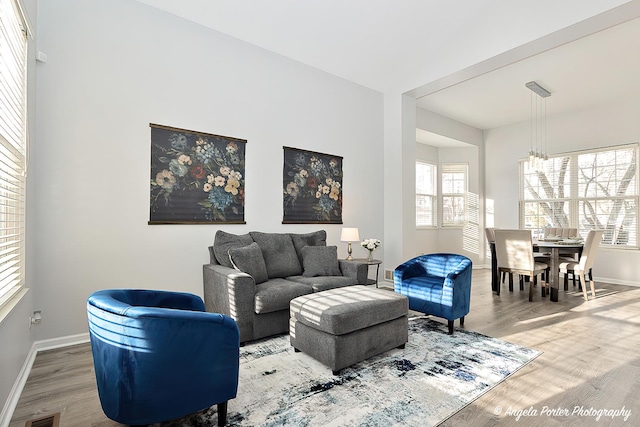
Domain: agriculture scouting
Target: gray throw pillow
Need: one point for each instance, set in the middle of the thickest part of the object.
(320, 261)
(316, 238)
(225, 241)
(248, 259)
(279, 254)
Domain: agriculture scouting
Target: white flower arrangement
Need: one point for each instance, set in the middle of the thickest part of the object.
(370, 244)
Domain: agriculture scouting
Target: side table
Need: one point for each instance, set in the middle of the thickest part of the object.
(375, 262)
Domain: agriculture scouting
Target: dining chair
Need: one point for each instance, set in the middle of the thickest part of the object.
(490, 233)
(514, 250)
(585, 264)
(561, 232)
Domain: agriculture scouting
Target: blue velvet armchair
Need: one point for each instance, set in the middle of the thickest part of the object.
(159, 356)
(436, 284)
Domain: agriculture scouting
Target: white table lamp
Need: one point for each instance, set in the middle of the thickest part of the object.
(349, 235)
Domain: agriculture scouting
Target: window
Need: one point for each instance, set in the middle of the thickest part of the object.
(454, 195)
(426, 195)
(596, 189)
(13, 73)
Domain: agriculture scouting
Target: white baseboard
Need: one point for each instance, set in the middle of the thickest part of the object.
(18, 386)
(60, 342)
(16, 390)
(606, 280)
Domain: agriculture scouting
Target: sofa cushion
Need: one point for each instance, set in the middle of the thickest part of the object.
(248, 259)
(279, 254)
(225, 241)
(276, 294)
(320, 261)
(323, 283)
(316, 238)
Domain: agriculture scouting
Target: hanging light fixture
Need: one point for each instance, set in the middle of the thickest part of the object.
(538, 150)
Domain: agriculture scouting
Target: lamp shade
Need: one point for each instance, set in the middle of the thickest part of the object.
(349, 235)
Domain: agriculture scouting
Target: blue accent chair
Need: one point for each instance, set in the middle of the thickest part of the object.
(436, 284)
(159, 356)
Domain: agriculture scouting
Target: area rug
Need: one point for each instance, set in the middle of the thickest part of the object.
(432, 378)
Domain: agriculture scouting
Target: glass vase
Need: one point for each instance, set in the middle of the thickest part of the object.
(370, 257)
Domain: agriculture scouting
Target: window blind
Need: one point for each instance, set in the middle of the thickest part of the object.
(13, 74)
(592, 189)
(455, 207)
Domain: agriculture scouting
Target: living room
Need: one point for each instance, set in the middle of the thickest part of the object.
(113, 67)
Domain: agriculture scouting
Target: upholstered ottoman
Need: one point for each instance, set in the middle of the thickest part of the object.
(343, 326)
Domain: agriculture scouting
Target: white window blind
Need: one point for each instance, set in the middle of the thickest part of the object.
(594, 189)
(426, 194)
(546, 196)
(13, 60)
(454, 195)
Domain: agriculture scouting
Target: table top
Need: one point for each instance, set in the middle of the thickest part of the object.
(372, 262)
(558, 244)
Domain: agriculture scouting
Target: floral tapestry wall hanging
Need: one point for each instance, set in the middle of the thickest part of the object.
(196, 178)
(312, 187)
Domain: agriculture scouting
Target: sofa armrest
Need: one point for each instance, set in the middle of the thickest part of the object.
(355, 269)
(231, 292)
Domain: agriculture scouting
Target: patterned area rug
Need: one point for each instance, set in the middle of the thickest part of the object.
(429, 380)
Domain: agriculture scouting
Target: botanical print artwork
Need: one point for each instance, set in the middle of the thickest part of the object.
(312, 187)
(196, 177)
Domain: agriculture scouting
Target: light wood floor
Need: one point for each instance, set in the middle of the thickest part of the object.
(591, 359)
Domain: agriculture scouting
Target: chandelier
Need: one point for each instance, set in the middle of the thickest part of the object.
(538, 150)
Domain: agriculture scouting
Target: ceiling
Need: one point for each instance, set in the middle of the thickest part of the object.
(393, 46)
(594, 70)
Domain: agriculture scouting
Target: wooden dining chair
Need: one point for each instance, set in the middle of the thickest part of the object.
(514, 250)
(582, 268)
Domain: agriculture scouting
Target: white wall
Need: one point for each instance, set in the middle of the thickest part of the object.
(606, 125)
(467, 241)
(115, 66)
(470, 240)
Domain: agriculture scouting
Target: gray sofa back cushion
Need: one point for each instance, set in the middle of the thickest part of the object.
(279, 254)
(316, 238)
(248, 259)
(320, 261)
(225, 241)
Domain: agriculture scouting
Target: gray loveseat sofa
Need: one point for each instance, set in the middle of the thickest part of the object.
(252, 277)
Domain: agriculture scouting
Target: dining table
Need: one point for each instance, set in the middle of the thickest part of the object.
(554, 247)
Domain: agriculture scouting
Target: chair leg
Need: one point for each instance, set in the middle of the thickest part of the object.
(535, 283)
(462, 321)
(584, 285)
(450, 324)
(222, 414)
(593, 285)
(521, 283)
(530, 290)
(566, 281)
(511, 282)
